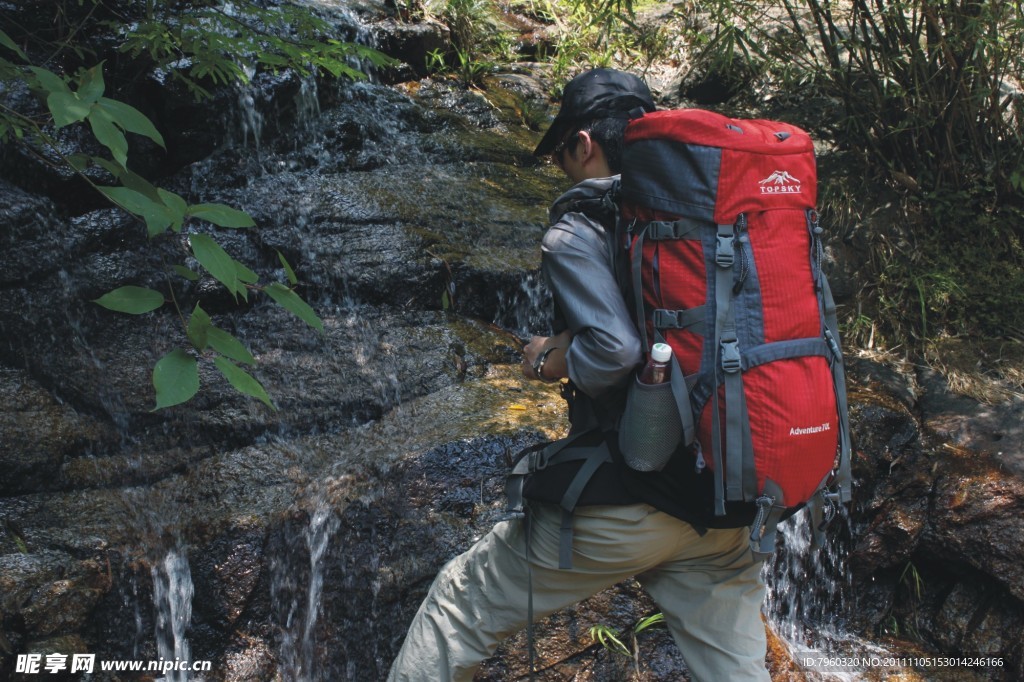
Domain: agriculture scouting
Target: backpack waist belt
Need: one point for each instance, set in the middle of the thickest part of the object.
(539, 458)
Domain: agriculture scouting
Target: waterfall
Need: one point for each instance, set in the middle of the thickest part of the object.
(172, 599)
(807, 601)
(250, 118)
(806, 584)
(296, 592)
(525, 310)
(307, 112)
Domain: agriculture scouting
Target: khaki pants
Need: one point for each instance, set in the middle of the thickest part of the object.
(709, 588)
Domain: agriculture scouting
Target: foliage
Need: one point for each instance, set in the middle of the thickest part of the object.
(203, 43)
(961, 273)
(928, 96)
(585, 32)
(469, 70)
(611, 639)
(605, 33)
(254, 37)
(221, 43)
(476, 35)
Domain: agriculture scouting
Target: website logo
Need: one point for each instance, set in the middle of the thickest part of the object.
(780, 182)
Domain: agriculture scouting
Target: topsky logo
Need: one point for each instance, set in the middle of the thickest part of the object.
(780, 182)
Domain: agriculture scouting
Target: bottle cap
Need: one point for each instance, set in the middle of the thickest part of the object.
(661, 352)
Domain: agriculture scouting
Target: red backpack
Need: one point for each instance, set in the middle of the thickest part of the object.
(718, 216)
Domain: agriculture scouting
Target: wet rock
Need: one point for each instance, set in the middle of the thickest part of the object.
(411, 43)
(61, 606)
(31, 240)
(566, 650)
(227, 572)
(937, 553)
(39, 435)
(979, 488)
(48, 593)
(978, 518)
(994, 429)
(892, 485)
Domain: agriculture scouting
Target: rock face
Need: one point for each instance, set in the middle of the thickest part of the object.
(935, 552)
(301, 540)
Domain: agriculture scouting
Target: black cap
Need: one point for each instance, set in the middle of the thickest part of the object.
(599, 93)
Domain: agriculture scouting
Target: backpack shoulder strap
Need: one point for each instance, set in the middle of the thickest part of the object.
(604, 210)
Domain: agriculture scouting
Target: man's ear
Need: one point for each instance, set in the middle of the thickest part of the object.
(591, 156)
(586, 147)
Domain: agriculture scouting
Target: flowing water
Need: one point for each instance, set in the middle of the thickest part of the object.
(526, 311)
(296, 593)
(172, 601)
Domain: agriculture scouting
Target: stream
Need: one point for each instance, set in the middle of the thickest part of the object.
(226, 541)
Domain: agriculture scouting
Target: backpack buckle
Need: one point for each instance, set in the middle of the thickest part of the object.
(833, 346)
(538, 460)
(666, 319)
(731, 356)
(724, 256)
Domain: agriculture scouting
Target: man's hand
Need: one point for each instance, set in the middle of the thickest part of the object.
(553, 349)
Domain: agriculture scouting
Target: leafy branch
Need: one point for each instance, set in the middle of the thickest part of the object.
(81, 100)
(210, 44)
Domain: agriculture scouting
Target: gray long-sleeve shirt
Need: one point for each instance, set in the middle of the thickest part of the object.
(576, 260)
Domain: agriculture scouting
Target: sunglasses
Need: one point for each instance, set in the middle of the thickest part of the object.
(560, 147)
(556, 153)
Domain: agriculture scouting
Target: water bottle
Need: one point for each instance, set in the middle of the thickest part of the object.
(650, 430)
(657, 368)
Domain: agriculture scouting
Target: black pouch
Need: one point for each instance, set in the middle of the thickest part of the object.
(650, 430)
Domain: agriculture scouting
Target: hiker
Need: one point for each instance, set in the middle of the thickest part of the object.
(659, 527)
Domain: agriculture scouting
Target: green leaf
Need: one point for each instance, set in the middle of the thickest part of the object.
(243, 381)
(199, 326)
(92, 86)
(217, 262)
(50, 81)
(175, 378)
(66, 108)
(226, 344)
(79, 161)
(129, 199)
(130, 119)
(132, 180)
(649, 621)
(288, 269)
(609, 639)
(6, 41)
(109, 135)
(186, 273)
(157, 216)
(177, 206)
(131, 299)
(294, 304)
(112, 167)
(245, 274)
(221, 215)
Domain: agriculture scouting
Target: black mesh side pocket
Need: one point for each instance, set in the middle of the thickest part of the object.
(650, 430)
